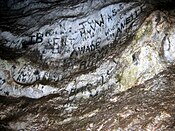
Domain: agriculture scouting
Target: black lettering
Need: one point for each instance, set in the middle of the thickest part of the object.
(74, 54)
(39, 38)
(116, 36)
(113, 34)
(99, 57)
(56, 50)
(43, 52)
(88, 49)
(114, 12)
(83, 24)
(113, 27)
(118, 31)
(23, 79)
(141, 8)
(129, 19)
(31, 39)
(2, 81)
(101, 22)
(121, 7)
(122, 26)
(36, 72)
(69, 63)
(47, 33)
(82, 65)
(63, 41)
(121, 16)
(90, 33)
(62, 28)
(93, 47)
(19, 78)
(23, 74)
(55, 41)
(81, 49)
(92, 25)
(90, 63)
(82, 30)
(6, 93)
(104, 52)
(82, 33)
(108, 38)
(109, 17)
(50, 41)
(98, 42)
(137, 12)
(107, 32)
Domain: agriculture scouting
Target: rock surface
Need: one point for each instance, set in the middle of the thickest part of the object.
(87, 65)
(58, 53)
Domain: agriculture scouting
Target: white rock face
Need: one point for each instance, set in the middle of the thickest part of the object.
(82, 57)
(85, 35)
(108, 69)
(138, 62)
(169, 47)
(68, 46)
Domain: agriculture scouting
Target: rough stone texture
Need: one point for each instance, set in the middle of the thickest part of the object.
(58, 53)
(107, 69)
(149, 106)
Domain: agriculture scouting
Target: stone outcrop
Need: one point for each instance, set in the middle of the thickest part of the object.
(61, 49)
(87, 65)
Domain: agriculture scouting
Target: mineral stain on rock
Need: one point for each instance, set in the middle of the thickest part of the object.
(102, 65)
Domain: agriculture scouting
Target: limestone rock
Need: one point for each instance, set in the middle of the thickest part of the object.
(56, 54)
(87, 65)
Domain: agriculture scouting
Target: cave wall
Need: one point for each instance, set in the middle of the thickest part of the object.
(63, 41)
(87, 65)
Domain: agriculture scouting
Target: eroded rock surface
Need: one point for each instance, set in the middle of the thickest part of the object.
(149, 106)
(87, 65)
(51, 55)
